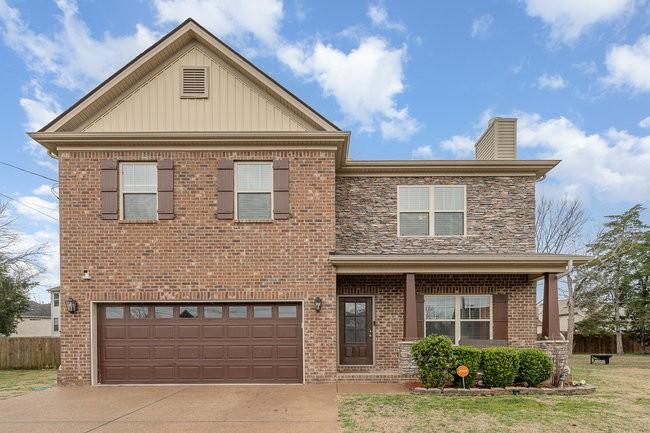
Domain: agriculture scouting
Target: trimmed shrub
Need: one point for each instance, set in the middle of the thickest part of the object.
(470, 357)
(535, 366)
(500, 366)
(435, 360)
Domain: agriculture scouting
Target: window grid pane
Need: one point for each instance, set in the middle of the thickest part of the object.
(287, 312)
(414, 198)
(188, 312)
(449, 198)
(475, 308)
(254, 177)
(449, 223)
(138, 312)
(413, 224)
(254, 206)
(140, 206)
(114, 313)
(447, 329)
(475, 330)
(213, 312)
(139, 178)
(440, 308)
(164, 312)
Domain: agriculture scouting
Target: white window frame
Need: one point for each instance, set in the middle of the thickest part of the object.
(236, 210)
(55, 324)
(457, 320)
(56, 299)
(121, 191)
(432, 211)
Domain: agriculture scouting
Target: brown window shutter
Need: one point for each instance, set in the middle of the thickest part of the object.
(419, 305)
(500, 317)
(281, 189)
(109, 193)
(225, 189)
(165, 189)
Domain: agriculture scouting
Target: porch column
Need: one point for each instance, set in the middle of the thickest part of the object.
(550, 313)
(410, 310)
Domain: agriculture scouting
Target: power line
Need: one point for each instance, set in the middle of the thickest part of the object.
(28, 206)
(27, 171)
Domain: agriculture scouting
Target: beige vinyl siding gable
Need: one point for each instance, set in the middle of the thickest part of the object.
(234, 102)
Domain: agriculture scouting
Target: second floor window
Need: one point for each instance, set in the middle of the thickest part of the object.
(253, 190)
(55, 299)
(426, 210)
(55, 324)
(138, 191)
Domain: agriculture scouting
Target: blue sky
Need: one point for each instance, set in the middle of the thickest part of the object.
(409, 79)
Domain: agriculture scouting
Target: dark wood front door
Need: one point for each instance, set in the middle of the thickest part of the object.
(355, 334)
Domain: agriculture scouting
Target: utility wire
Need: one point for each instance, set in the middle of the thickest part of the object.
(27, 171)
(28, 206)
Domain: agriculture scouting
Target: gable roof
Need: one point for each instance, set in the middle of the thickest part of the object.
(152, 57)
(37, 310)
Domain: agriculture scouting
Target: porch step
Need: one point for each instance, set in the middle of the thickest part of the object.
(380, 376)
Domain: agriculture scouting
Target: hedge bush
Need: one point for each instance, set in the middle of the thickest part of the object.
(535, 366)
(500, 366)
(470, 357)
(434, 357)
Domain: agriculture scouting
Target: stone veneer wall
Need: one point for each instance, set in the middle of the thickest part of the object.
(196, 256)
(500, 216)
(558, 350)
(388, 292)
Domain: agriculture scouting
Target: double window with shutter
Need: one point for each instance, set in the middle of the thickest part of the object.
(467, 317)
(426, 210)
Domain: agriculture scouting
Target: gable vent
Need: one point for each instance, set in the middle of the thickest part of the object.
(194, 82)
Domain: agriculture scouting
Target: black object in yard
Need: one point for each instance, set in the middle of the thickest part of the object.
(600, 357)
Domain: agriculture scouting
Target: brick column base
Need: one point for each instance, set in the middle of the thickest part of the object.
(406, 364)
(558, 350)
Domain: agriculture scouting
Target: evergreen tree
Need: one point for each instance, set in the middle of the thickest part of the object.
(637, 307)
(14, 300)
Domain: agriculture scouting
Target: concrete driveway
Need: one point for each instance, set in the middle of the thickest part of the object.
(259, 408)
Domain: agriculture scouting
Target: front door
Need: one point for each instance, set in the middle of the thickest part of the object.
(355, 334)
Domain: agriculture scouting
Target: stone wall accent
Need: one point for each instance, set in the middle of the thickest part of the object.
(407, 365)
(500, 216)
(388, 293)
(196, 257)
(556, 349)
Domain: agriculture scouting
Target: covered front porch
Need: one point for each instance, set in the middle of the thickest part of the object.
(384, 303)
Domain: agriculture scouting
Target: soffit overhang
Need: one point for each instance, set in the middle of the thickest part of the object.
(533, 265)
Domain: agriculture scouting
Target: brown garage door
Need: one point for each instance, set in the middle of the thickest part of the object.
(200, 343)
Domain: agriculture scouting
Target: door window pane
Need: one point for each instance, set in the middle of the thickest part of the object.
(441, 328)
(237, 312)
(440, 307)
(361, 330)
(475, 330)
(114, 312)
(287, 312)
(414, 224)
(449, 223)
(350, 308)
(262, 312)
(188, 312)
(138, 312)
(164, 312)
(213, 311)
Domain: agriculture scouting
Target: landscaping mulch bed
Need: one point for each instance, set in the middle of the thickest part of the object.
(510, 390)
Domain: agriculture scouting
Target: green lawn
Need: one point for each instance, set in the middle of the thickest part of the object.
(16, 382)
(621, 404)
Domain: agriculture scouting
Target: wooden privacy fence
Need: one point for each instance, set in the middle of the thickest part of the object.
(604, 344)
(29, 352)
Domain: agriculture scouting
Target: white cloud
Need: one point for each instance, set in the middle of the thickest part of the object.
(570, 19)
(629, 65)
(240, 20)
(72, 57)
(48, 261)
(37, 209)
(553, 82)
(459, 145)
(481, 26)
(379, 17)
(423, 152)
(587, 68)
(365, 82)
(40, 109)
(645, 123)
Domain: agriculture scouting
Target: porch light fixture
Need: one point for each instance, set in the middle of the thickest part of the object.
(71, 304)
(318, 304)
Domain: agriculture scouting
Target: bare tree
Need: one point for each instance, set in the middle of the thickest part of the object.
(559, 229)
(20, 260)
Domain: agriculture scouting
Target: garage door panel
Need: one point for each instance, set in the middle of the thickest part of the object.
(212, 345)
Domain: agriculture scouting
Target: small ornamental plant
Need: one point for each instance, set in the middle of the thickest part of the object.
(535, 366)
(470, 357)
(500, 366)
(434, 357)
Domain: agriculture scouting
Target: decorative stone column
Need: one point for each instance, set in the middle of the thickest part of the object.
(558, 350)
(407, 366)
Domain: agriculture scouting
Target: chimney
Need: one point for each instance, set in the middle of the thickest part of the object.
(499, 141)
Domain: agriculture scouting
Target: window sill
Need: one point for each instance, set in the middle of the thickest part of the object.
(138, 221)
(254, 221)
(430, 236)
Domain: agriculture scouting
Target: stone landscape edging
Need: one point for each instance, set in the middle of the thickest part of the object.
(567, 390)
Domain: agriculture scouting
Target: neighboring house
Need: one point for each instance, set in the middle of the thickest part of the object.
(563, 310)
(55, 302)
(35, 322)
(213, 229)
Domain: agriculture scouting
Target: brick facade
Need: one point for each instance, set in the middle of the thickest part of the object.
(500, 216)
(388, 293)
(196, 256)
